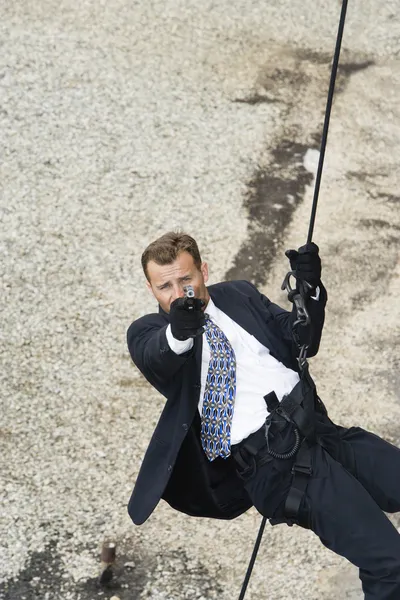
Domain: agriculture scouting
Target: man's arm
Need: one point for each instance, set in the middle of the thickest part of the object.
(151, 352)
(305, 264)
(310, 334)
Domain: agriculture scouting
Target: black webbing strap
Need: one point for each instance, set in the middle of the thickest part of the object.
(299, 405)
(302, 469)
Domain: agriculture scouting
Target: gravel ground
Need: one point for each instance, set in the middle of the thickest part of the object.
(118, 122)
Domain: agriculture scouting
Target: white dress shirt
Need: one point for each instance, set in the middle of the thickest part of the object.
(257, 373)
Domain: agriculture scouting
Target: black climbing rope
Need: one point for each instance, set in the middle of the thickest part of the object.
(253, 558)
(329, 102)
(327, 118)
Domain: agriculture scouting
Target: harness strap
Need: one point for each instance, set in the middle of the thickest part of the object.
(302, 469)
(300, 405)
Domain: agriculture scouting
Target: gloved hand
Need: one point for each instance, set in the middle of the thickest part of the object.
(186, 323)
(306, 263)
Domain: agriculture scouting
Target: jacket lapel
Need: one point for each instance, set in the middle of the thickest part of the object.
(240, 308)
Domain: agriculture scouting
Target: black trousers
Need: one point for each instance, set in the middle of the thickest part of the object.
(356, 476)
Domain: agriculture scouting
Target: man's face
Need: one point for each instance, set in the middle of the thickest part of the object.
(167, 281)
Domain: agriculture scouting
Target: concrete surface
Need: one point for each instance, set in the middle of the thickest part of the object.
(120, 120)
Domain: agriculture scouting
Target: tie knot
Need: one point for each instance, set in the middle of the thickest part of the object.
(210, 327)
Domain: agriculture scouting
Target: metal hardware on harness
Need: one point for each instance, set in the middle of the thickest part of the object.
(285, 455)
(302, 358)
(302, 470)
(247, 471)
(297, 442)
(298, 296)
(295, 296)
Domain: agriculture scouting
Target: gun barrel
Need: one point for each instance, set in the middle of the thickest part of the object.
(189, 291)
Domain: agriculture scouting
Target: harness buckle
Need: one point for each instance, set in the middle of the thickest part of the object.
(298, 296)
(249, 471)
(302, 358)
(302, 469)
(245, 470)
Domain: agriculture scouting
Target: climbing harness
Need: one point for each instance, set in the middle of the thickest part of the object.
(296, 406)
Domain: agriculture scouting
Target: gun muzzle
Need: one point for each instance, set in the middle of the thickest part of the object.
(189, 297)
(189, 291)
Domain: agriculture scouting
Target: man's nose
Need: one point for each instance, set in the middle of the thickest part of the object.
(178, 292)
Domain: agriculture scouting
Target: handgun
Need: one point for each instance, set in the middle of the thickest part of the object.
(189, 297)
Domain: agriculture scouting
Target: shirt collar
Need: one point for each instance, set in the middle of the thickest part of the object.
(211, 309)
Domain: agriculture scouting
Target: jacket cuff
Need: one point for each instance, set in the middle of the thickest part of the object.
(316, 293)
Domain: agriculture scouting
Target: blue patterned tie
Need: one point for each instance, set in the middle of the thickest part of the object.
(219, 394)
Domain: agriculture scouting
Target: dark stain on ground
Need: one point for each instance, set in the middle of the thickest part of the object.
(173, 572)
(346, 66)
(256, 99)
(280, 83)
(312, 56)
(390, 198)
(354, 67)
(369, 176)
(359, 175)
(346, 70)
(316, 139)
(378, 224)
(270, 203)
(43, 574)
(275, 192)
(369, 179)
(290, 77)
(126, 580)
(46, 576)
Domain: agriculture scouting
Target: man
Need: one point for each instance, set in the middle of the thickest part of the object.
(243, 425)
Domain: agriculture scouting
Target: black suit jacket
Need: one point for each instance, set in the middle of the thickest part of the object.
(175, 467)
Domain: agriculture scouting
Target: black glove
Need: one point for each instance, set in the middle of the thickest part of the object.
(186, 323)
(306, 263)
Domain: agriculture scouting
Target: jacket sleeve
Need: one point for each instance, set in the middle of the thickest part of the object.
(151, 353)
(311, 334)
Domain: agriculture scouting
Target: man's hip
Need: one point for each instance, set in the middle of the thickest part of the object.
(267, 461)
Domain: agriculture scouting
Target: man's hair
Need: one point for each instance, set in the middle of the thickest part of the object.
(165, 250)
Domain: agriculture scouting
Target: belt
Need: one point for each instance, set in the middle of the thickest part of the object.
(254, 441)
(255, 451)
(248, 453)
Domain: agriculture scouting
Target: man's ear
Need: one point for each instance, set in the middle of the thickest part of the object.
(204, 271)
(148, 285)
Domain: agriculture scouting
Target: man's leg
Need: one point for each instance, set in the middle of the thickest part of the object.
(342, 513)
(336, 507)
(375, 463)
(349, 522)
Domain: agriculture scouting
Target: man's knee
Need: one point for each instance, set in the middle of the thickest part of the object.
(382, 582)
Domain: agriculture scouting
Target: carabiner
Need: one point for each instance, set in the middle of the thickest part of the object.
(297, 295)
